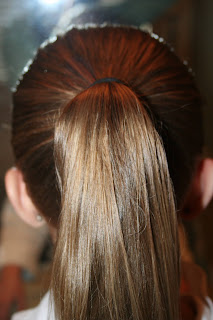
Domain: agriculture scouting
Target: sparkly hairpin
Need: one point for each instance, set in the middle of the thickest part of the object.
(52, 39)
(162, 40)
(30, 61)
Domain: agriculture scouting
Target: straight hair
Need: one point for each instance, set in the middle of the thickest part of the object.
(108, 164)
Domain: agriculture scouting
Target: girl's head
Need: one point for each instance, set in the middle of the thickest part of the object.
(101, 121)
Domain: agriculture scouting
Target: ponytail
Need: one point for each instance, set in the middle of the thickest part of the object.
(117, 254)
(95, 167)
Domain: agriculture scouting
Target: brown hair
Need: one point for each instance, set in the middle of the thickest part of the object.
(94, 159)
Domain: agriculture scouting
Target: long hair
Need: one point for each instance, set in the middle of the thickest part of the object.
(108, 163)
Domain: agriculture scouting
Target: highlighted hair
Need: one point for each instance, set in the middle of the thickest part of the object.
(94, 158)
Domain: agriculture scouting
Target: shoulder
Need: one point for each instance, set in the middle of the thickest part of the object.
(44, 311)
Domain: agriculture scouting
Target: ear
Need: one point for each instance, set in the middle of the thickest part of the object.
(18, 196)
(201, 190)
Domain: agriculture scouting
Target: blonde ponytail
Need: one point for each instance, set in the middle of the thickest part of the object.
(117, 249)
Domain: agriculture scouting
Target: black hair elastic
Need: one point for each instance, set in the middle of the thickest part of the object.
(106, 80)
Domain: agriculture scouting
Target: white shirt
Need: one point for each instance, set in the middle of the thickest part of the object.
(208, 310)
(44, 311)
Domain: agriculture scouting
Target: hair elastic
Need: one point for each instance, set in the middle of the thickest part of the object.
(106, 80)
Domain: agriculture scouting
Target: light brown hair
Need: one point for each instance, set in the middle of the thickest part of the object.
(97, 160)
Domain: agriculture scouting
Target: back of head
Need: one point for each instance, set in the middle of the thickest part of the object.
(97, 157)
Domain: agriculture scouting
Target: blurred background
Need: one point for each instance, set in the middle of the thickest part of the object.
(186, 25)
